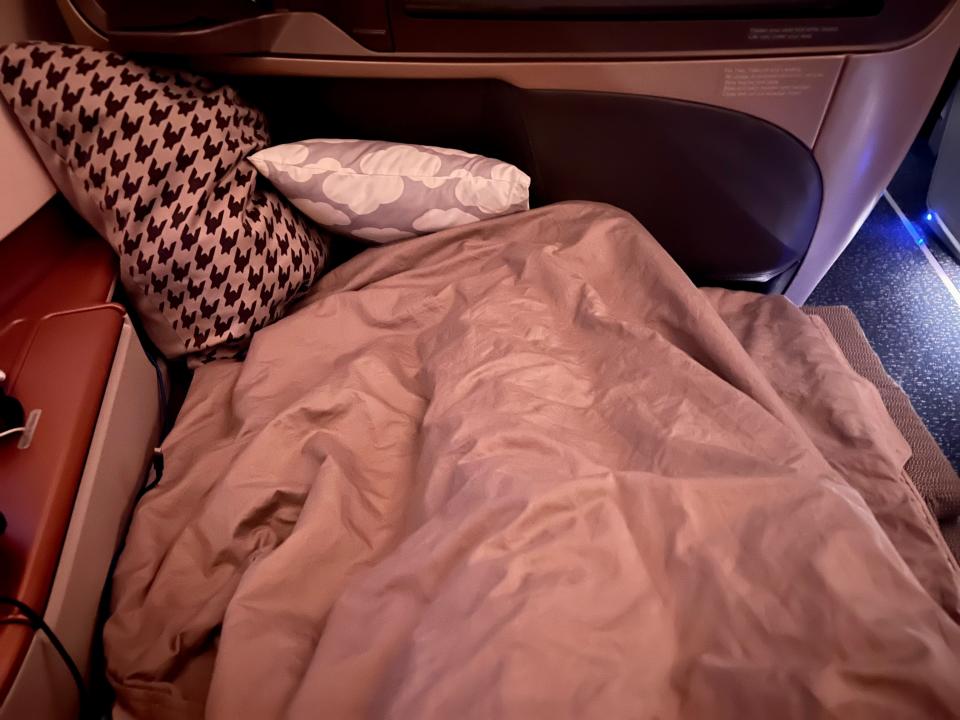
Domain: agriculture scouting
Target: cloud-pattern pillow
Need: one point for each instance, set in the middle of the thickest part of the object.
(154, 160)
(380, 191)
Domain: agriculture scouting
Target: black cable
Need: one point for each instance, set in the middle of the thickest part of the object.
(157, 460)
(161, 391)
(38, 623)
(157, 463)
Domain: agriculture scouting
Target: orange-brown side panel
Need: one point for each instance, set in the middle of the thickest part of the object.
(57, 355)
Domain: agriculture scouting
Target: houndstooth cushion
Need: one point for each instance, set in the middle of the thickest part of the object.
(155, 161)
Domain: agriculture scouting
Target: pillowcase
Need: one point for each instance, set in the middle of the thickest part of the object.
(154, 161)
(382, 191)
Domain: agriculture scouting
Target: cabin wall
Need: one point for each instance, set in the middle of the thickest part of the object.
(24, 184)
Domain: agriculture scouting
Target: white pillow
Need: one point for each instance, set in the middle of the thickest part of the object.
(381, 191)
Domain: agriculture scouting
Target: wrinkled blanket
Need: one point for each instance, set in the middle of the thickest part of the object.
(525, 469)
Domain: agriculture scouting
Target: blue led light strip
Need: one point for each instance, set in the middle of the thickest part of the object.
(918, 239)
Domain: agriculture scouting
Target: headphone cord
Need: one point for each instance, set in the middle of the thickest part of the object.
(38, 623)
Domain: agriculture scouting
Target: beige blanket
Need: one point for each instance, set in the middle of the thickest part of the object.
(525, 469)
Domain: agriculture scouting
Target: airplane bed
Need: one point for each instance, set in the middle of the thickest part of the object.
(534, 466)
(526, 468)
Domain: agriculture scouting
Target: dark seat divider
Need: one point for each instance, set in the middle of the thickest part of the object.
(734, 199)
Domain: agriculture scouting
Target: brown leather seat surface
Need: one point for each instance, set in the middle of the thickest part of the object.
(57, 343)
